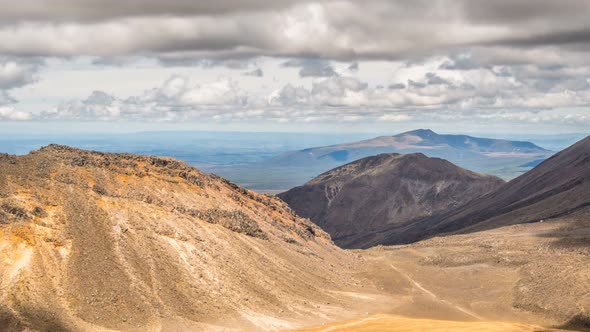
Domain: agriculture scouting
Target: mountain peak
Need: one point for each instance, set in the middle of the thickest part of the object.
(419, 132)
(355, 201)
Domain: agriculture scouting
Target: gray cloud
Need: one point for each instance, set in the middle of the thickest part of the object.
(92, 10)
(15, 73)
(99, 98)
(6, 98)
(434, 79)
(396, 86)
(344, 30)
(256, 73)
(460, 62)
(416, 85)
(312, 67)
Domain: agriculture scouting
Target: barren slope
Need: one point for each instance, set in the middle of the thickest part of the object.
(94, 241)
(557, 187)
(356, 201)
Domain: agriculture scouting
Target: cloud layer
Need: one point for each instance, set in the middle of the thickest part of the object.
(348, 30)
(502, 60)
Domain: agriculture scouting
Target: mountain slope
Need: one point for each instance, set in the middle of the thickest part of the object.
(94, 241)
(354, 201)
(558, 186)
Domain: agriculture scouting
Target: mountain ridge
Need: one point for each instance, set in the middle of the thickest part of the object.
(93, 241)
(556, 187)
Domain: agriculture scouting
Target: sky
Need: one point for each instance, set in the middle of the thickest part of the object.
(470, 66)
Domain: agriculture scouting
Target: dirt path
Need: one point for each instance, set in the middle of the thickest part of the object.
(434, 296)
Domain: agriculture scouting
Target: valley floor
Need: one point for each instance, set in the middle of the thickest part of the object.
(391, 323)
(513, 278)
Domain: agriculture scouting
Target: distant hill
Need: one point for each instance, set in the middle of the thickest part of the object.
(557, 187)
(353, 202)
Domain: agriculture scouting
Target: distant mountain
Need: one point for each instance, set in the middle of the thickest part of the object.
(353, 202)
(503, 158)
(461, 146)
(557, 187)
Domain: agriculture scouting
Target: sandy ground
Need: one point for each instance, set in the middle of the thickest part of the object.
(390, 323)
(514, 278)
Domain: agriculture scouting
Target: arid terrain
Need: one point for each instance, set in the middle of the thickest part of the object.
(93, 241)
(514, 278)
(118, 242)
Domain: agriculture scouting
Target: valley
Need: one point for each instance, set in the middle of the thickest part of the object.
(514, 278)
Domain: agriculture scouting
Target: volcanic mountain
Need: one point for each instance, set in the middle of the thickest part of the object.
(356, 201)
(557, 187)
(94, 241)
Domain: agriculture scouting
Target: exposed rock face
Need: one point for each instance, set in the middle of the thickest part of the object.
(557, 187)
(94, 240)
(357, 201)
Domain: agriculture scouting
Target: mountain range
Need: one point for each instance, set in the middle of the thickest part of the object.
(364, 202)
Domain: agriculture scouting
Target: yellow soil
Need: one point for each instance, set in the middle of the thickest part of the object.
(389, 323)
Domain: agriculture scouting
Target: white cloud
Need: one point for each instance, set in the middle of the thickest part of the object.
(175, 100)
(474, 93)
(9, 113)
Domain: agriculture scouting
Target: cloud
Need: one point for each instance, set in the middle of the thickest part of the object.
(340, 30)
(460, 62)
(289, 95)
(96, 10)
(395, 117)
(312, 67)
(476, 95)
(256, 73)
(396, 86)
(14, 73)
(6, 98)
(176, 99)
(434, 79)
(376, 60)
(9, 113)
